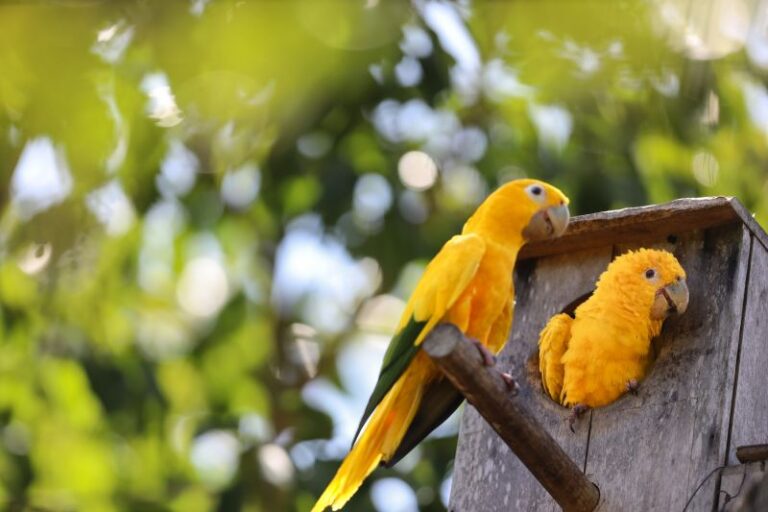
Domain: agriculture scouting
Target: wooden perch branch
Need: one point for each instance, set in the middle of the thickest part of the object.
(752, 453)
(484, 388)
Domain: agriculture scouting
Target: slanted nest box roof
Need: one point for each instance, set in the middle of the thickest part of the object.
(705, 396)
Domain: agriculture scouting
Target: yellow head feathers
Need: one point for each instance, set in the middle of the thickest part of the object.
(650, 282)
(521, 210)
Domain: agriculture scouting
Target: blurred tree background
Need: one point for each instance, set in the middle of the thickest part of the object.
(211, 212)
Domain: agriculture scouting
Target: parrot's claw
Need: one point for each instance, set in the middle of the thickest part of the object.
(513, 387)
(488, 358)
(633, 386)
(576, 413)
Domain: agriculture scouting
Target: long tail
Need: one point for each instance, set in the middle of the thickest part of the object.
(381, 437)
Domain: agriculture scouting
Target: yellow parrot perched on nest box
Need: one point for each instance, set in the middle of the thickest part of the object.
(468, 283)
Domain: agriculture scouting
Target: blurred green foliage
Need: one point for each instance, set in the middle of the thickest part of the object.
(203, 208)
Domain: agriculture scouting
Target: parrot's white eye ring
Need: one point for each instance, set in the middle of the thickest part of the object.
(536, 192)
(650, 273)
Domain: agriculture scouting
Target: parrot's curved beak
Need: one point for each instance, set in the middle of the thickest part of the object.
(547, 223)
(670, 300)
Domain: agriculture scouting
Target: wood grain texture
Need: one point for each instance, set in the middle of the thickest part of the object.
(646, 224)
(510, 417)
(756, 499)
(739, 487)
(750, 415)
(487, 475)
(758, 232)
(649, 452)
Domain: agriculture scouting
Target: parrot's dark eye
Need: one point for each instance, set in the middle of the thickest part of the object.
(536, 192)
(650, 273)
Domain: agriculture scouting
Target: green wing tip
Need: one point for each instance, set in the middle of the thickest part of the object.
(399, 355)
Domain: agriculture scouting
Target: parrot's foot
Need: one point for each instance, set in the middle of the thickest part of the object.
(633, 386)
(576, 413)
(513, 387)
(488, 358)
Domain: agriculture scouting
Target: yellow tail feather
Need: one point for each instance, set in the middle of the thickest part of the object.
(553, 342)
(381, 436)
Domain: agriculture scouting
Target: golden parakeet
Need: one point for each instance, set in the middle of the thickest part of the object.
(468, 283)
(592, 358)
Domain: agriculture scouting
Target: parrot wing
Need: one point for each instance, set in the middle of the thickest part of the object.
(443, 398)
(445, 278)
(553, 342)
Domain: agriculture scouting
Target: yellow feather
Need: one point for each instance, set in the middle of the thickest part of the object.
(446, 276)
(553, 341)
(607, 344)
(381, 437)
(468, 283)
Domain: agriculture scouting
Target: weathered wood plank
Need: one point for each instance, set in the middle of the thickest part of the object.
(758, 231)
(737, 483)
(756, 498)
(508, 414)
(650, 451)
(750, 415)
(646, 224)
(487, 475)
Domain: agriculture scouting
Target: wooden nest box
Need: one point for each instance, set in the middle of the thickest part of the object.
(705, 396)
